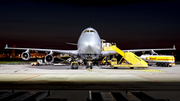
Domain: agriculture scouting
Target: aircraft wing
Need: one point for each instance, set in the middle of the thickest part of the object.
(141, 50)
(74, 52)
(104, 53)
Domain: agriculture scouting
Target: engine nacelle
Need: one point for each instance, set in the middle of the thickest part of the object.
(49, 58)
(25, 55)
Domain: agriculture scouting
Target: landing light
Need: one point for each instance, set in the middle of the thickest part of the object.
(89, 43)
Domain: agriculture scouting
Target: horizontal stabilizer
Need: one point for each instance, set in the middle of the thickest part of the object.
(71, 43)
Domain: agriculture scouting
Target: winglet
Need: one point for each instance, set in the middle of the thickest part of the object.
(6, 46)
(174, 47)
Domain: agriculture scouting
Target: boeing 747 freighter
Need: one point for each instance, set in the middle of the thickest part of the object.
(89, 48)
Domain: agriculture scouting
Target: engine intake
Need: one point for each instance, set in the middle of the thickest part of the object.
(25, 55)
(49, 58)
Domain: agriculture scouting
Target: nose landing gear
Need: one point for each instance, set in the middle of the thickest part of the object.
(89, 65)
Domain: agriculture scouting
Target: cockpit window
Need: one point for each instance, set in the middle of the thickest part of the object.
(86, 31)
(91, 31)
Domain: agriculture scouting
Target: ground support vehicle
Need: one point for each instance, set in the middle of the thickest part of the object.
(159, 60)
(105, 61)
(128, 59)
(74, 65)
(34, 64)
(39, 62)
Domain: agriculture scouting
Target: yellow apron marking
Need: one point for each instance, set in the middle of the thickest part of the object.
(153, 71)
(147, 70)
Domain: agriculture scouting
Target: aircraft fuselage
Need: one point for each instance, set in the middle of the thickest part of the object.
(89, 44)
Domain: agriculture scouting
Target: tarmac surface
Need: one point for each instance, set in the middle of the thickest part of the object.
(100, 78)
(104, 82)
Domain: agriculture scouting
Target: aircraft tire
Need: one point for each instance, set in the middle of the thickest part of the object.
(87, 66)
(91, 66)
(98, 63)
(107, 63)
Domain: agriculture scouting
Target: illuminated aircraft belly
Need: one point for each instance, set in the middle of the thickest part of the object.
(89, 52)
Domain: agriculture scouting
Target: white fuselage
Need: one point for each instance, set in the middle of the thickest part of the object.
(89, 44)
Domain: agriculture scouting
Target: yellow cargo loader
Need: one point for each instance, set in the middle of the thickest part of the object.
(105, 61)
(128, 59)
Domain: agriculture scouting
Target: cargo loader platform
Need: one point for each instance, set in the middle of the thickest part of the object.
(128, 59)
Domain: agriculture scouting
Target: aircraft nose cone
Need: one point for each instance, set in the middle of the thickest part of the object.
(89, 49)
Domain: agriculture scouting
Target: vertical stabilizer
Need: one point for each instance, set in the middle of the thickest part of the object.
(6, 46)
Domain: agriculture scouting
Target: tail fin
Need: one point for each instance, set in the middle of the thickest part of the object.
(174, 47)
(6, 46)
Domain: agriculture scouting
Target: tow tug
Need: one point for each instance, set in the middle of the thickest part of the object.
(74, 65)
(38, 63)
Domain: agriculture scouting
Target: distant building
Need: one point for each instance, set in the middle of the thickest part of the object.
(13, 53)
(3, 55)
(33, 55)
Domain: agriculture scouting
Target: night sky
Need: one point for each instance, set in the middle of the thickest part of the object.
(50, 24)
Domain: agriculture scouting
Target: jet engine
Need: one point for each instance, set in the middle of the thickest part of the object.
(49, 58)
(25, 55)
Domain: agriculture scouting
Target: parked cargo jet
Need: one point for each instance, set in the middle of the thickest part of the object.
(88, 48)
